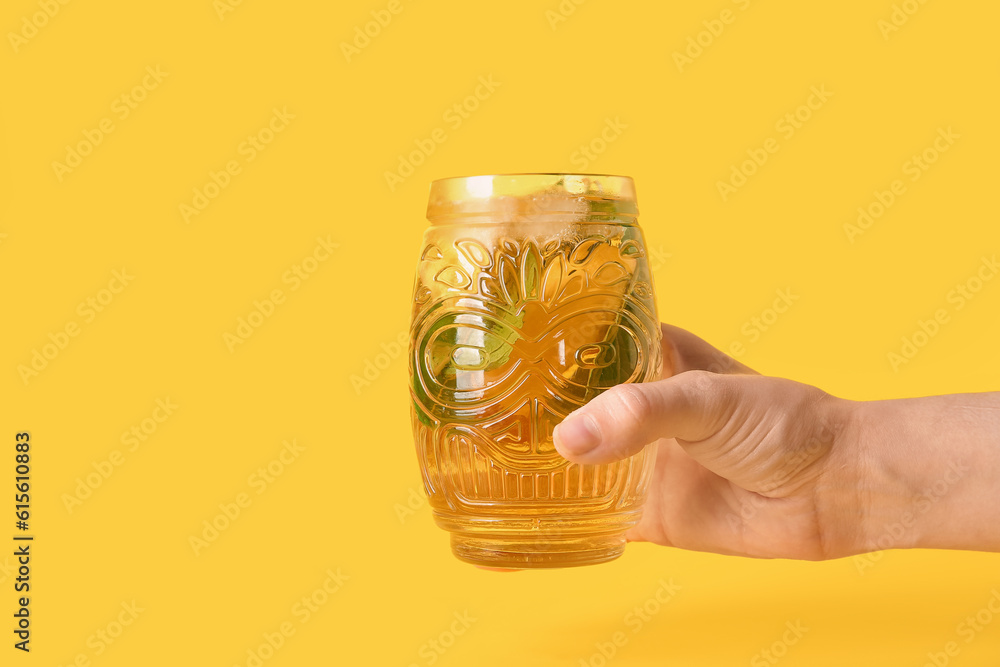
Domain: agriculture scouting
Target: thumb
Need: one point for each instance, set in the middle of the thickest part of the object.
(690, 406)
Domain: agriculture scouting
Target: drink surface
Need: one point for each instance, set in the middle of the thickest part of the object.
(513, 328)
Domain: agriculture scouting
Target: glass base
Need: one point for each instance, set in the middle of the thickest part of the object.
(525, 552)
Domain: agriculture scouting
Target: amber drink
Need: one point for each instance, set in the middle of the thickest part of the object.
(532, 296)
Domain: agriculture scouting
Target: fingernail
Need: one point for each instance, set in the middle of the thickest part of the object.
(577, 434)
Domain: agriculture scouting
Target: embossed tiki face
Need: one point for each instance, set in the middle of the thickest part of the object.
(508, 340)
(532, 296)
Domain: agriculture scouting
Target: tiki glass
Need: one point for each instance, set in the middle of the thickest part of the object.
(532, 296)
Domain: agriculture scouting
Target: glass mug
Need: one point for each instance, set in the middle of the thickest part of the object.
(532, 296)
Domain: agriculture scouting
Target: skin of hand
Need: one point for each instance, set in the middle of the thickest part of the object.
(766, 467)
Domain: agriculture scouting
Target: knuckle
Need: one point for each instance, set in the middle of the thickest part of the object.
(702, 381)
(716, 393)
(631, 402)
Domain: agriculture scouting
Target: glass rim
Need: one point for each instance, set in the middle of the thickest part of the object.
(533, 195)
(532, 173)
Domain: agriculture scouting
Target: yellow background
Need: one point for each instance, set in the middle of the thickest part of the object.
(337, 505)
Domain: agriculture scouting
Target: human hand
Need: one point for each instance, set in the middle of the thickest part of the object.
(767, 467)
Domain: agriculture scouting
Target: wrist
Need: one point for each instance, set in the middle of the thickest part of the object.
(884, 479)
(926, 472)
(852, 501)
